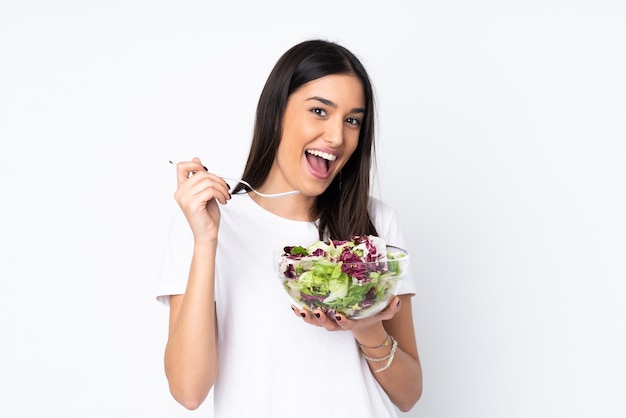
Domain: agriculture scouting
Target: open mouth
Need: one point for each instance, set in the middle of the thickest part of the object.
(320, 162)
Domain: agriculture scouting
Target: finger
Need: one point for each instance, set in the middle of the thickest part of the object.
(324, 320)
(219, 183)
(342, 321)
(390, 311)
(196, 159)
(199, 203)
(309, 317)
(205, 184)
(186, 169)
(216, 186)
(297, 311)
(302, 313)
(394, 305)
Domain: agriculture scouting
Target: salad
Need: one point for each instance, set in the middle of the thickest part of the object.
(356, 277)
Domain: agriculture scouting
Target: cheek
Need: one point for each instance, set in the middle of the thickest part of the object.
(289, 148)
(289, 152)
(348, 151)
(351, 143)
(295, 139)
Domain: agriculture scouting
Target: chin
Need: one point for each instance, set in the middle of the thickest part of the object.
(313, 191)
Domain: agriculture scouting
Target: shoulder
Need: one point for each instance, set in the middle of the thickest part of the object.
(380, 207)
(382, 213)
(384, 217)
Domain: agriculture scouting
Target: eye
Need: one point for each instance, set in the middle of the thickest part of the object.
(354, 121)
(319, 111)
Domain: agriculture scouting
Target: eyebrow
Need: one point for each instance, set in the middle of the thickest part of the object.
(334, 105)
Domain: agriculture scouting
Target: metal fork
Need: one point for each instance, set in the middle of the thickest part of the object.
(245, 183)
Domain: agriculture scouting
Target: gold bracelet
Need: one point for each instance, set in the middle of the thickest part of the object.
(385, 344)
(393, 353)
(388, 356)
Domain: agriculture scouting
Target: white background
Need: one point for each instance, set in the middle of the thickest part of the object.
(501, 144)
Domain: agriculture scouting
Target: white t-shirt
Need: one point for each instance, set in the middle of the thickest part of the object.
(271, 363)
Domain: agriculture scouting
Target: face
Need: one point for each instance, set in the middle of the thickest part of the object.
(321, 128)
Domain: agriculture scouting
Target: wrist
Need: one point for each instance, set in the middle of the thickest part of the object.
(205, 244)
(384, 344)
(372, 337)
(387, 359)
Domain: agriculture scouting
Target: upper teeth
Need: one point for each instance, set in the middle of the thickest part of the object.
(322, 154)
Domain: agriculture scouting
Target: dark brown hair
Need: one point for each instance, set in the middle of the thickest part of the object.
(342, 209)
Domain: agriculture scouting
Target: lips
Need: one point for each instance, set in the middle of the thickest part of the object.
(320, 162)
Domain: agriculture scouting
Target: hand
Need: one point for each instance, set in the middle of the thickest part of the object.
(197, 194)
(339, 322)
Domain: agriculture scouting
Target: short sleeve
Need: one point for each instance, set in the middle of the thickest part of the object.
(388, 227)
(176, 260)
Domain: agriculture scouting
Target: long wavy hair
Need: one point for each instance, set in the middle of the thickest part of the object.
(342, 209)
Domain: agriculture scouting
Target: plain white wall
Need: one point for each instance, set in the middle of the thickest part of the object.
(501, 143)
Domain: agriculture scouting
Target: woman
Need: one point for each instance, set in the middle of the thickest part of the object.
(228, 327)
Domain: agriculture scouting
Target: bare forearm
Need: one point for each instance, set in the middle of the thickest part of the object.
(191, 350)
(402, 380)
(398, 369)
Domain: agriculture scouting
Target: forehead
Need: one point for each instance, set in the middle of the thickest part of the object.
(342, 89)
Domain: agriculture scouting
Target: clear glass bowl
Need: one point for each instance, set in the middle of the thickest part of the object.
(354, 289)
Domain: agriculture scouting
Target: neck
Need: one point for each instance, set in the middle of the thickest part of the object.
(296, 207)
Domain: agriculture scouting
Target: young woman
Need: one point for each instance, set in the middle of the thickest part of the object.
(230, 328)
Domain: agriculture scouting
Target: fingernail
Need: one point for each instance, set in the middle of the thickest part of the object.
(293, 309)
(338, 318)
(302, 314)
(205, 169)
(317, 315)
(398, 304)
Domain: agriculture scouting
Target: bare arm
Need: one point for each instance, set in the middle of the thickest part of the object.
(191, 352)
(402, 380)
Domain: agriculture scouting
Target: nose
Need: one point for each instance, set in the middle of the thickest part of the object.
(334, 133)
